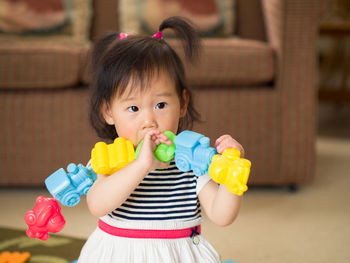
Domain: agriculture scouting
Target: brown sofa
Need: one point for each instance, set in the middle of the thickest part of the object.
(259, 87)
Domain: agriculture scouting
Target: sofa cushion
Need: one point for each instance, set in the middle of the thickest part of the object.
(33, 64)
(231, 61)
(48, 20)
(212, 18)
(223, 62)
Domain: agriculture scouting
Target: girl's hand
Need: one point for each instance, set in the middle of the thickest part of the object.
(150, 142)
(226, 141)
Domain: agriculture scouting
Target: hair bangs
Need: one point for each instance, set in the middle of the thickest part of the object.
(137, 69)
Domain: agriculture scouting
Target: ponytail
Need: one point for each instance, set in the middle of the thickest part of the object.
(185, 30)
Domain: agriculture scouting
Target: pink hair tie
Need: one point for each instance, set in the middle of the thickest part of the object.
(123, 35)
(159, 35)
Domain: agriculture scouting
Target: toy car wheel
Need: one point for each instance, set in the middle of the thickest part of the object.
(197, 171)
(71, 199)
(86, 190)
(182, 163)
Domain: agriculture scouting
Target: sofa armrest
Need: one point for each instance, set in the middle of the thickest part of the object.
(290, 24)
(292, 29)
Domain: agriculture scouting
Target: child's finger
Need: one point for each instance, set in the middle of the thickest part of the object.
(157, 137)
(223, 146)
(150, 138)
(222, 143)
(165, 139)
(237, 146)
(146, 139)
(221, 139)
(220, 148)
(161, 138)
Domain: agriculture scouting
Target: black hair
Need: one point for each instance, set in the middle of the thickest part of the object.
(116, 62)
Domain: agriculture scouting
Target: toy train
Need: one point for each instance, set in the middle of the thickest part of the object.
(68, 187)
(191, 150)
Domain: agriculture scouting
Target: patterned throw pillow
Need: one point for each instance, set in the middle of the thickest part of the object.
(214, 18)
(45, 19)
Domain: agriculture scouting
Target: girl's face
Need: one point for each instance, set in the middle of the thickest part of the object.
(157, 107)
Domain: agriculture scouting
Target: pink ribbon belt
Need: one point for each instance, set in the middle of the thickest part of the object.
(149, 233)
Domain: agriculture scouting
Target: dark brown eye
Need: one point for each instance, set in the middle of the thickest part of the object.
(133, 109)
(160, 105)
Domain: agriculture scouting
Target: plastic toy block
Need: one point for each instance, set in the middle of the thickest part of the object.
(163, 152)
(43, 218)
(107, 159)
(68, 188)
(14, 257)
(193, 152)
(231, 170)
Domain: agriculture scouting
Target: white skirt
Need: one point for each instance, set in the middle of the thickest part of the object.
(105, 248)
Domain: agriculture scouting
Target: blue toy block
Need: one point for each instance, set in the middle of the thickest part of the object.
(68, 188)
(193, 152)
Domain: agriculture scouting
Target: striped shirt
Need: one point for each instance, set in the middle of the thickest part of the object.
(167, 194)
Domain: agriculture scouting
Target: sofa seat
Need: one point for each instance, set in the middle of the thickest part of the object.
(32, 64)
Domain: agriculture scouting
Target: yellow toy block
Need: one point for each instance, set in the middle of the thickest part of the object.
(14, 257)
(230, 170)
(107, 159)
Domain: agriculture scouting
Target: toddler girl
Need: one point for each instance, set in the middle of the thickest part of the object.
(149, 214)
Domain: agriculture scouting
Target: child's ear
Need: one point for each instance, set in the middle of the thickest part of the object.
(107, 113)
(184, 103)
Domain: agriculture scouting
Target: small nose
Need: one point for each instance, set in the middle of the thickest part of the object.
(149, 121)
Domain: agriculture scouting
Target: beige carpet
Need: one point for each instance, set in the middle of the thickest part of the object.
(274, 225)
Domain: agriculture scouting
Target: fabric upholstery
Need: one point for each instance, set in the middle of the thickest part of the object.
(45, 130)
(212, 18)
(34, 64)
(251, 116)
(223, 62)
(250, 20)
(231, 62)
(51, 21)
(260, 88)
(291, 27)
(105, 12)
